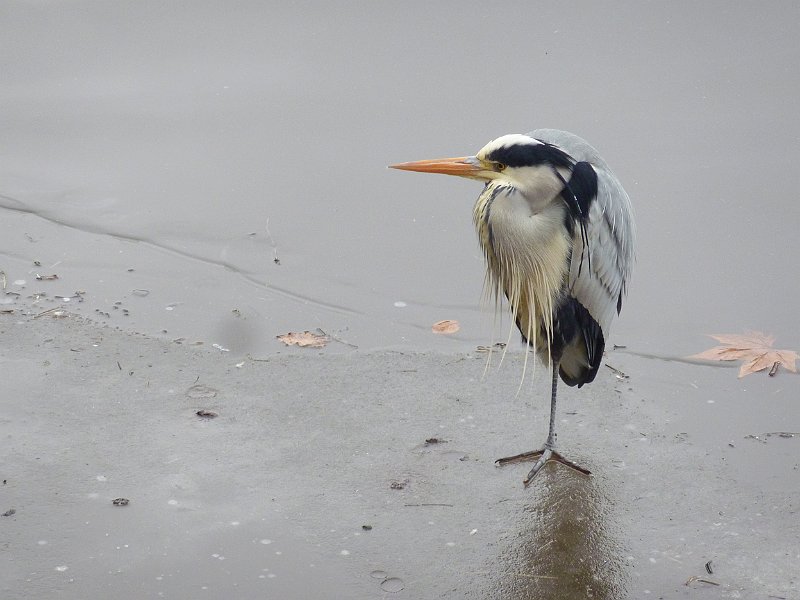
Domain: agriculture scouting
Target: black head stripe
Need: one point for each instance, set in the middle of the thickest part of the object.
(530, 155)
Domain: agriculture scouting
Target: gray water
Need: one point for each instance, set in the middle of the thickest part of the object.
(215, 173)
(180, 148)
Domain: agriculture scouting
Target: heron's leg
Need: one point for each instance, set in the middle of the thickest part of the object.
(547, 453)
(551, 434)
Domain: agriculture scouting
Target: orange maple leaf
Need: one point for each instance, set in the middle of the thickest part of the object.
(304, 340)
(447, 326)
(753, 347)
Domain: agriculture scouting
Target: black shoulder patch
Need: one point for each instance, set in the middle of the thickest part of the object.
(530, 155)
(578, 194)
(583, 184)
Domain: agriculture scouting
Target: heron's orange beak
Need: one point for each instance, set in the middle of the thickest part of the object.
(463, 166)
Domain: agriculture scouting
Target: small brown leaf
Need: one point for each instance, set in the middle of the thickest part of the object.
(304, 340)
(753, 347)
(445, 327)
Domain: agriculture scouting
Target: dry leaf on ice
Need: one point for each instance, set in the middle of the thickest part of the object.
(304, 340)
(445, 327)
(754, 348)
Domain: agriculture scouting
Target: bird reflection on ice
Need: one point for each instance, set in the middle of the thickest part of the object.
(563, 545)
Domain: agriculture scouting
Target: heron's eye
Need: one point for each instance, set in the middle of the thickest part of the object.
(500, 166)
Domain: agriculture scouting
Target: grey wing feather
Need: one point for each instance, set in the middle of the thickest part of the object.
(610, 231)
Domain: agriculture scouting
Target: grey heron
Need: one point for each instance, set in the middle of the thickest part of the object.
(556, 228)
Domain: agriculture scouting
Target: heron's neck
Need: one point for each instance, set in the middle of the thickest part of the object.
(527, 255)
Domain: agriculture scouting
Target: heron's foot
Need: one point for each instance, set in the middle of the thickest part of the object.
(542, 457)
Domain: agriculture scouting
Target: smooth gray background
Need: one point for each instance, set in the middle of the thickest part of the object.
(165, 137)
(158, 156)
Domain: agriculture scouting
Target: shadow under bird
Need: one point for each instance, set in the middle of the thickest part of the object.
(557, 231)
